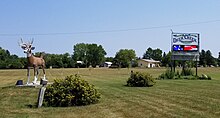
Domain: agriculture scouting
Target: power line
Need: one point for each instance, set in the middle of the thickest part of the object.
(112, 31)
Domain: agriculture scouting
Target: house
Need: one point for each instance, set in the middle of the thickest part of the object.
(148, 63)
(79, 62)
(106, 64)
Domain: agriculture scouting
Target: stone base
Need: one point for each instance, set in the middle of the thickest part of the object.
(30, 84)
(33, 85)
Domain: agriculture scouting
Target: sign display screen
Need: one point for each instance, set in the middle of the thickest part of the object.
(185, 48)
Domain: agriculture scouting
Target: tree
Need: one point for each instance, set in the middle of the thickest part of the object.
(166, 59)
(90, 54)
(66, 59)
(202, 58)
(95, 55)
(155, 54)
(124, 57)
(219, 59)
(4, 54)
(206, 59)
(148, 54)
(210, 59)
(109, 59)
(53, 60)
(79, 52)
(8, 61)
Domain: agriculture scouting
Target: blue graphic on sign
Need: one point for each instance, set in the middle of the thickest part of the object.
(177, 48)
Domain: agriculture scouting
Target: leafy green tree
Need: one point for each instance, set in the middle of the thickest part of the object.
(96, 54)
(210, 59)
(166, 59)
(109, 59)
(155, 54)
(124, 57)
(90, 54)
(53, 60)
(58, 60)
(66, 60)
(4, 54)
(206, 59)
(80, 52)
(219, 59)
(202, 58)
(148, 54)
(23, 61)
(8, 61)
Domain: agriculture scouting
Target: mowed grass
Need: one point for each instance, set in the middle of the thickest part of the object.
(168, 98)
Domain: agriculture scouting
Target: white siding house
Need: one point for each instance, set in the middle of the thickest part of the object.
(148, 63)
(107, 64)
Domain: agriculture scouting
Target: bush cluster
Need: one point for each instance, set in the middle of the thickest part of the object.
(138, 79)
(71, 91)
(167, 75)
(185, 74)
(205, 77)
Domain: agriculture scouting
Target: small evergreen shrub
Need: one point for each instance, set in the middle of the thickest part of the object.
(138, 79)
(205, 77)
(178, 75)
(167, 75)
(187, 72)
(71, 91)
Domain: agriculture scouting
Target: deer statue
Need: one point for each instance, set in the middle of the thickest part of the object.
(35, 62)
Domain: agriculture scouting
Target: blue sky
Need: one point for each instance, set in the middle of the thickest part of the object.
(43, 20)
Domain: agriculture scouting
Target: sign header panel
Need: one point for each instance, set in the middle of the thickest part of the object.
(185, 39)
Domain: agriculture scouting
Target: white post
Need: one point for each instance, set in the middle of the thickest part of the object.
(41, 96)
(28, 74)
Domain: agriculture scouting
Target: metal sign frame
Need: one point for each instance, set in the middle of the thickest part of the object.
(183, 40)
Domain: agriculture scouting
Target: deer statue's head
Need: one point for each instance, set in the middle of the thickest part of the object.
(27, 47)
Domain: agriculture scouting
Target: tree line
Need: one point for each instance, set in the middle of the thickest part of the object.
(91, 55)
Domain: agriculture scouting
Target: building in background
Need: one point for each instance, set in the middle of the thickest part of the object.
(148, 63)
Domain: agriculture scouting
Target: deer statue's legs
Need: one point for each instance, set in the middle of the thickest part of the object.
(28, 74)
(44, 73)
(35, 77)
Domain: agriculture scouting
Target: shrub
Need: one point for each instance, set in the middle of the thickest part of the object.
(205, 77)
(167, 75)
(71, 91)
(189, 77)
(138, 79)
(187, 72)
(178, 75)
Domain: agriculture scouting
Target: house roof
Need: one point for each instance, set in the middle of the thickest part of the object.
(150, 60)
(79, 62)
(109, 63)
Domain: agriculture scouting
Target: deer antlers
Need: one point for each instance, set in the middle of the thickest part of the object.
(23, 45)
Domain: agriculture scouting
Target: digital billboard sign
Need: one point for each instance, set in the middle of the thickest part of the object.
(185, 46)
(186, 42)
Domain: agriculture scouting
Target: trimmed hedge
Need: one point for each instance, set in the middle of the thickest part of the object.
(71, 91)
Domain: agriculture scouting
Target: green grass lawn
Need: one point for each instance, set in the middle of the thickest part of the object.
(168, 98)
